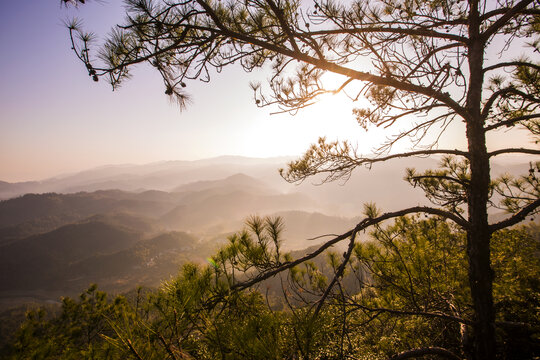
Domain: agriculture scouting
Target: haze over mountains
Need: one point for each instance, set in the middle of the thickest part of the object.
(163, 176)
(190, 176)
(125, 225)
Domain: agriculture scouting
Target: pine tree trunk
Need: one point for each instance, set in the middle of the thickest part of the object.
(478, 251)
(478, 236)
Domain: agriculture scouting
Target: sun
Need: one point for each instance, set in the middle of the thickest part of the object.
(272, 133)
(331, 116)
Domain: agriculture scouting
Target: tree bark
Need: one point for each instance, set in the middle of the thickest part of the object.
(479, 235)
(478, 251)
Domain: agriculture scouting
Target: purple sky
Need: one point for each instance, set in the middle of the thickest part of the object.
(54, 119)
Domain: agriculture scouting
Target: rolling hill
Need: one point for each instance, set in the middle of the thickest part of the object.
(40, 261)
(57, 243)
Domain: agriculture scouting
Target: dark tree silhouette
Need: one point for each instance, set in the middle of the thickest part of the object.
(422, 65)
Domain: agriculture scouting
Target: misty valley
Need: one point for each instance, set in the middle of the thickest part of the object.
(56, 244)
(136, 227)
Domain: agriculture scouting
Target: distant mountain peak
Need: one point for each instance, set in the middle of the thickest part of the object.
(241, 177)
(238, 181)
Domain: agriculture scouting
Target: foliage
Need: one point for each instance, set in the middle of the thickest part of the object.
(516, 261)
(76, 333)
(411, 292)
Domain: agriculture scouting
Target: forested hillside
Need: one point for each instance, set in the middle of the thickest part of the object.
(56, 244)
(413, 293)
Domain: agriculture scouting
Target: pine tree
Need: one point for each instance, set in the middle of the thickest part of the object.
(428, 68)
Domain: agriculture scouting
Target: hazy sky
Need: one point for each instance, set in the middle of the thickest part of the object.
(54, 119)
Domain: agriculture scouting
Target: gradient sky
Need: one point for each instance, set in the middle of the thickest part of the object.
(54, 119)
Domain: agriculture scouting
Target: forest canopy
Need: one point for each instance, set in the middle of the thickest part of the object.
(406, 288)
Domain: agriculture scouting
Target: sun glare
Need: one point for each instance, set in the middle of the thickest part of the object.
(331, 117)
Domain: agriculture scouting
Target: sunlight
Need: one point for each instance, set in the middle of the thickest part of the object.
(331, 117)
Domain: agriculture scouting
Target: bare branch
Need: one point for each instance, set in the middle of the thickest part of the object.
(501, 93)
(279, 15)
(337, 275)
(503, 20)
(514, 151)
(512, 121)
(502, 11)
(394, 30)
(512, 63)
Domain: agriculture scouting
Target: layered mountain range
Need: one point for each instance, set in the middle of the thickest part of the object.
(123, 226)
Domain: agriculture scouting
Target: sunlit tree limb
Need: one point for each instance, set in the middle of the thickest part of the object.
(340, 159)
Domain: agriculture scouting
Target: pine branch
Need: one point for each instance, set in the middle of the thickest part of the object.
(516, 218)
(514, 151)
(512, 121)
(364, 224)
(512, 63)
(415, 313)
(503, 20)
